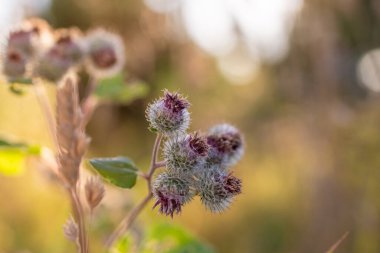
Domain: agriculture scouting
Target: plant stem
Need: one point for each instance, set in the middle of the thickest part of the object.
(79, 217)
(89, 102)
(43, 101)
(128, 221)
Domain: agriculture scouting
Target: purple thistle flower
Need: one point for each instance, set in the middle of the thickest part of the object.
(198, 144)
(169, 115)
(232, 184)
(169, 203)
(171, 193)
(185, 153)
(218, 189)
(174, 102)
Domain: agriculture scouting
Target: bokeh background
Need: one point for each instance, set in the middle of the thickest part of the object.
(284, 71)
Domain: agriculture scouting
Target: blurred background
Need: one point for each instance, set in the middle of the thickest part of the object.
(289, 73)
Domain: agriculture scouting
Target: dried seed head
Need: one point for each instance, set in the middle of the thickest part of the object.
(226, 145)
(95, 191)
(70, 229)
(15, 64)
(169, 115)
(171, 193)
(185, 153)
(218, 189)
(106, 53)
(71, 138)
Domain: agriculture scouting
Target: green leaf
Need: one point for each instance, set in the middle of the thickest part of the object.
(120, 171)
(13, 155)
(115, 89)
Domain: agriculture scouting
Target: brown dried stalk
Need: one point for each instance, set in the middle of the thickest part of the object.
(72, 144)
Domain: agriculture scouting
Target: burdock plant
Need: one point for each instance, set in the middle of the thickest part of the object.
(194, 164)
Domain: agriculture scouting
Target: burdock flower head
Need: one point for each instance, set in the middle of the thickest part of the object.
(217, 189)
(106, 53)
(22, 45)
(226, 145)
(29, 36)
(14, 64)
(171, 193)
(69, 44)
(185, 153)
(169, 115)
(66, 53)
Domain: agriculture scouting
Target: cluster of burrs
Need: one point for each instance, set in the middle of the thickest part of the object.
(196, 164)
(34, 50)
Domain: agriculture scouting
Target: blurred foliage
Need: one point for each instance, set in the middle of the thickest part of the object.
(164, 238)
(13, 155)
(116, 90)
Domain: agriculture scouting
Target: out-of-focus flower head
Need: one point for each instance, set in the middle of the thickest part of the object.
(69, 44)
(23, 44)
(226, 145)
(169, 114)
(14, 64)
(106, 53)
(29, 36)
(65, 54)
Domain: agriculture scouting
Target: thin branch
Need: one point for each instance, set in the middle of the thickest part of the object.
(338, 243)
(159, 164)
(156, 147)
(43, 101)
(89, 101)
(128, 221)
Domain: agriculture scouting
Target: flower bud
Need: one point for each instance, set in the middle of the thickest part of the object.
(226, 145)
(217, 189)
(169, 115)
(171, 193)
(15, 64)
(185, 153)
(106, 53)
